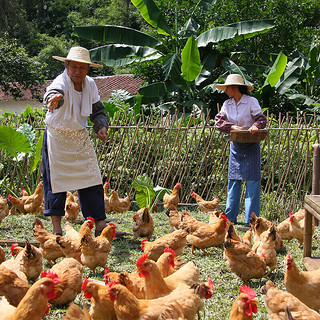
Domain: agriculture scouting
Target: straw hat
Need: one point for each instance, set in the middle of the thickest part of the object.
(233, 79)
(78, 54)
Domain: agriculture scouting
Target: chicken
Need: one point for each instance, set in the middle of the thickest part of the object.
(205, 236)
(214, 216)
(70, 273)
(278, 301)
(174, 219)
(2, 255)
(175, 240)
(48, 246)
(243, 261)
(17, 205)
(101, 305)
(74, 312)
(305, 285)
(296, 228)
(170, 201)
(168, 263)
(95, 251)
(119, 205)
(266, 246)
(156, 285)
(4, 208)
(283, 228)
(11, 286)
(143, 225)
(187, 298)
(246, 238)
(245, 305)
(34, 304)
(107, 206)
(15, 249)
(72, 208)
(205, 205)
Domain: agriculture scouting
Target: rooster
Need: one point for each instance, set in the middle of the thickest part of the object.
(119, 205)
(72, 207)
(4, 208)
(278, 301)
(170, 201)
(245, 305)
(205, 205)
(143, 225)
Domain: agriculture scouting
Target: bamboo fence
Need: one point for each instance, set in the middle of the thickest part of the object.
(190, 150)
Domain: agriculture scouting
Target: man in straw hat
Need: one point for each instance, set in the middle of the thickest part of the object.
(68, 159)
(241, 112)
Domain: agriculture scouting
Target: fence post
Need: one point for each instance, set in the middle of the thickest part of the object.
(316, 173)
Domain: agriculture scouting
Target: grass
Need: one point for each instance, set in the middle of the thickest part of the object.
(124, 254)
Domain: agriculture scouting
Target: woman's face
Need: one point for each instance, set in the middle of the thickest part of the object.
(231, 91)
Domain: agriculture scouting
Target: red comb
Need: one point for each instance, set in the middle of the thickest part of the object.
(169, 250)
(249, 291)
(178, 184)
(50, 274)
(47, 309)
(141, 259)
(291, 214)
(107, 184)
(210, 284)
(22, 191)
(91, 219)
(224, 217)
(14, 245)
(84, 284)
(193, 194)
(112, 225)
(135, 217)
(288, 256)
(9, 197)
(111, 284)
(142, 244)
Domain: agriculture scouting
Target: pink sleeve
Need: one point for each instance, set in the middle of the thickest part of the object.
(222, 122)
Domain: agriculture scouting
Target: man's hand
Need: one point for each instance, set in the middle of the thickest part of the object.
(103, 133)
(253, 129)
(53, 102)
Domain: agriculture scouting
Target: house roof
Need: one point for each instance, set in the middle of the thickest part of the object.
(105, 84)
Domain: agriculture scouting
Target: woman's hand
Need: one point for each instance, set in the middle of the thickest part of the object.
(103, 133)
(53, 102)
(236, 128)
(253, 129)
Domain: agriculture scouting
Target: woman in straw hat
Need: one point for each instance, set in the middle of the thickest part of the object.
(241, 112)
(68, 158)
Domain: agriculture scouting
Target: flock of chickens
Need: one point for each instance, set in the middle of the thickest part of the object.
(162, 286)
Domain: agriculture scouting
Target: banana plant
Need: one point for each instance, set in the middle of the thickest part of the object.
(188, 59)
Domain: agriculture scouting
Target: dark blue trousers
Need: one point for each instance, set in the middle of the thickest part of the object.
(91, 199)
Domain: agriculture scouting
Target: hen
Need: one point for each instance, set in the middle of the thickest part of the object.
(246, 238)
(296, 228)
(48, 245)
(187, 298)
(143, 225)
(168, 263)
(283, 228)
(171, 201)
(175, 240)
(205, 205)
(72, 208)
(34, 304)
(107, 206)
(4, 208)
(305, 285)
(69, 272)
(11, 286)
(74, 312)
(245, 305)
(243, 261)
(266, 246)
(95, 251)
(119, 205)
(2, 255)
(174, 219)
(278, 301)
(205, 236)
(101, 305)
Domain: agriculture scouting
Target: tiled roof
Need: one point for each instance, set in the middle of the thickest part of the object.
(105, 86)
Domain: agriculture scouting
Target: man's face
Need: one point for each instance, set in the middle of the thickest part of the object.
(77, 71)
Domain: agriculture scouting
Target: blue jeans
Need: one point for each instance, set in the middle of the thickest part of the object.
(252, 199)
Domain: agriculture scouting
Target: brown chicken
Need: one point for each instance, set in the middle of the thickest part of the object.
(17, 205)
(107, 206)
(143, 225)
(305, 285)
(119, 205)
(278, 301)
(34, 304)
(2, 255)
(206, 236)
(168, 263)
(245, 305)
(266, 246)
(205, 205)
(48, 245)
(175, 240)
(72, 208)
(4, 208)
(70, 273)
(101, 305)
(95, 251)
(174, 219)
(156, 285)
(246, 238)
(214, 216)
(11, 286)
(187, 298)
(74, 312)
(15, 249)
(243, 261)
(283, 228)
(297, 228)
(171, 201)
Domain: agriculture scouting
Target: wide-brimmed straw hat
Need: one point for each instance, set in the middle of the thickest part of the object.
(79, 54)
(233, 79)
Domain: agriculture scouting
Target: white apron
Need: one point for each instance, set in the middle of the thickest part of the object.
(72, 159)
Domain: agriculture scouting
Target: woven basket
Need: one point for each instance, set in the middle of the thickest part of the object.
(245, 136)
